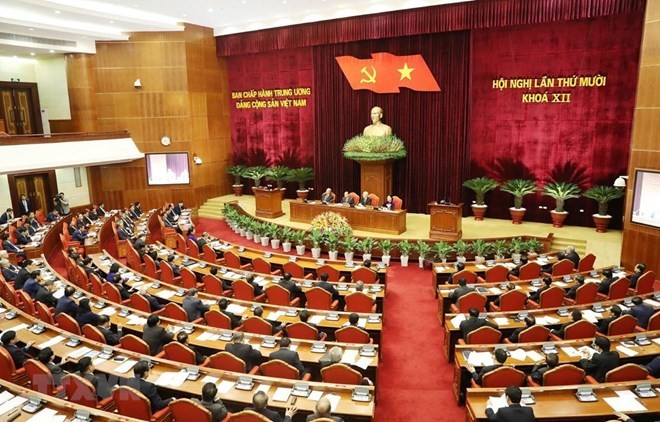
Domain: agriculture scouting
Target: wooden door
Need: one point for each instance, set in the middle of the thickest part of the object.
(20, 108)
(39, 188)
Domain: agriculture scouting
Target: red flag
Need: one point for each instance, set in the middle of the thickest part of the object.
(384, 73)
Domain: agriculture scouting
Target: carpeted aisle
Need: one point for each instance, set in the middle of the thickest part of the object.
(414, 378)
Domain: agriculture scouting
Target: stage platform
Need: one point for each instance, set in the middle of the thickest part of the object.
(606, 246)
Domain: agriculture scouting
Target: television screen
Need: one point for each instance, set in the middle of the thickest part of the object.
(646, 198)
(168, 169)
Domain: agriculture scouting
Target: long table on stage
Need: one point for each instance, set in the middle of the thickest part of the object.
(367, 219)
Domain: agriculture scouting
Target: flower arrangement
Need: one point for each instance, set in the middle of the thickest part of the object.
(332, 222)
(374, 148)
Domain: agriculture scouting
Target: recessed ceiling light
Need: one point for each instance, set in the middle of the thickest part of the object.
(244, 1)
(184, 15)
(112, 21)
(51, 51)
(31, 29)
(210, 10)
(57, 12)
(32, 54)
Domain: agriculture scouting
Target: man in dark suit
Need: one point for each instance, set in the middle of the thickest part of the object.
(235, 319)
(8, 245)
(602, 361)
(104, 327)
(23, 273)
(322, 411)
(604, 323)
(24, 206)
(45, 294)
(122, 233)
(194, 306)
(226, 284)
(608, 279)
(46, 356)
(640, 268)
(52, 216)
(576, 315)
(7, 216)
(32, 284)
(459, 267)
(138, 208)
(290, 285)
(572, 256)
(243, 351)
(101, 210)
(22, 236)
(178, 208)
(139, 382)
(529, 321)
(86, 219)
(641, 311)
(327, 286)
(9, 271)
(155, 336)
(260, 406)
(461, 290)
(365, 200)
(572, 292)
(500, 359)
(289, 356)
(536, 296)
(216, 407)
(175, 268)
(514, 411)
(516, 271)
(327, 197)
(18, 355)
(347, 199)
(551, 361)
(473, 322)
(259, 312)
(80, 235)
(182, 337)
(100, 382)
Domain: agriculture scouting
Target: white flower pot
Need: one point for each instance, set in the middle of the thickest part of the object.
(386, 259)
(256, 238)
(348, 256)
(421, 262)
(275, 244)
(516, 257)
(316, 253)
(286, 246)
(300, 249)
(265, 241)
(479, 259)
(461, 259)
(242, 232)
(366, 256)
(249, 235)
(404, 260)
(333, 255)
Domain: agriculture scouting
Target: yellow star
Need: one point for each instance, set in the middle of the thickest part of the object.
(405, 72)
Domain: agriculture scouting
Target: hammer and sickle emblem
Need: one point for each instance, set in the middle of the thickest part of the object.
(371, 77)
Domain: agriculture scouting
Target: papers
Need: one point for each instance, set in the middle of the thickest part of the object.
(261, 281)
(47, 415)
(210, 379)
(349, 356)
(362, 323)
(4, 396)
(275, 315)
(626, 351)
(126, 366)
(208, 336)
(58, 293)
(624, 404)
(334, 400)
(518, 354)
(626, 394)
(53, 341)
(656, 340)
(108, 311)
(480, 359)
(571, 351)
(481, 266)
(225, 386)
(282, 394)
(98, 361)
(166, 294)
(173, 379)
(551, 320)
(496, 403)
(208, 302)
(534, 355)
(456, 321)
(363, 362)
(591, 316)
(501, 321)
(587, 349)
(12, 404)
(592, 280)
(560, 284)
(18, 327)
(495, 290)
(316, 319)
(133, 319)
(315, 395)
(80, 352)
(236, 309)
(264, 388)
(651, 302)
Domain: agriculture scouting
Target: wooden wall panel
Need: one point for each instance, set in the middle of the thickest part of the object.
(82, 87)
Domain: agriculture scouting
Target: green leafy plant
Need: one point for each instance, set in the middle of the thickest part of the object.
(278, 175)
(316, 237)
(422, 248)
(298, 237)
(517, 245)
(480, 185)
(404, 247)
(481, 248)
(301, 176)
(366, 245)
(253, 226)
(519, 188)
(442, 250)
(374, 148)
(237, 171)
(501, 247)
(332, 240)
(603, 195)
(386, 246)
(561, 191)
(461, 247)
(533, 245)
(273, 231)
(286, 234)
(230, 214)
(349, 244)
(256, 173)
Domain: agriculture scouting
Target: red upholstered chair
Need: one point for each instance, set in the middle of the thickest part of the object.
(8, 371)
(66, 322)
(654, 323)
(140, 303)
(28, 303)
(278, 295)
(181, 246)
(527, 272)
(566, 374)
(341, 374)
(296, 270)
(134, 404)
(150, 267)
(181, 353)
(256, 325)
(11, 296)
(359, 302)
(92, 333)
(304, 331)
(227, 362)
(234, 261)
(398, 202)
(208, 254)
(550, 298)
(586, 263)
(625, 324)
(375, 200)
(365, 275)
(134, 344)
(513, 300)
(186, 409)
(624, 373)
(483, 335)
(467, 301)
(618, 290)
(280, 369)
(577, 330)
(122, 245)
(332, 272)
(355, 196)
(244, 291)
(41, 379)
(496, 274)
(193, 249)
(189, 280)
(167, 274)
(352, 334)
(113, 295)
(318, 298)
(96, 285)
(563, 267)
(469, 276)
(584, 294)
(500, 378)
(44, 313)
(66, 244)
(81, 392)
(175, 311)
(133, 259)
(262, 266)
(248, 416)
(213, 286)
(644, 284)
(80, 279)
(217, 319)
(533, 334)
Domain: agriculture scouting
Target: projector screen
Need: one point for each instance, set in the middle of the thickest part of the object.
(168, 169)
(646, 198)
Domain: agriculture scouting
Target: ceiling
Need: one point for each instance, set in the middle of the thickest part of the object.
(30, 28)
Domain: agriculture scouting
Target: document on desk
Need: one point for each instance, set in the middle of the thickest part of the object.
(480, 359)
(80, 352)
(651, 302)
(210, 379)
(263, 387)
(236, 309)
(173, 379)
(135, 320)
(18, 327)
(481, 267)
(560, 284)
(496, 403)
(570, 351)
(334, 400)
(656, 340)
(495, 290)
(315, 395)
(12, 404)
(588, 350)
(137, 285)
(362, 323)
(316, 319)
(624, 404)
(59, 293)
(591, 316)
(456, 321)
(551, 320)
(166, 294)
(208, 336)
(5, 396)
(53, 341)
(126, 366)
(363, 362)
(500, 321)
(349, 356)
(626, 351)
(534, 355)
(108, 311)
(275, 315)
(47, 415)
(518, 354)
(282, 394)
(225, 386)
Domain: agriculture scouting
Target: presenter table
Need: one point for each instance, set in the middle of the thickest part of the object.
(367, 219)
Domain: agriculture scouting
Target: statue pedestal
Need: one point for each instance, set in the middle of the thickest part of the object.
(376, 178)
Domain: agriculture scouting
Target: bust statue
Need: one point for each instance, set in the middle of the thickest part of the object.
(377, 128)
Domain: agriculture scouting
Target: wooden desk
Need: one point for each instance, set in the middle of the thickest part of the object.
(268, 202)
(367, 219)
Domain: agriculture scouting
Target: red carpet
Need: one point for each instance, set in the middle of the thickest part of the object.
(414, 379)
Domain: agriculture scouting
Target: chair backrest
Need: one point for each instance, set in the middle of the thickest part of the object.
(563, 267)
(186, 409)
(166, 272)
(625, 324)
(28, 303)
(564, 375)
(529, 271)
(96, 284)
(217, 319)
(497, 274)
(134, 344)
(44, 313)
(355, 196)
(654, 322)
(484, 335)
(188, 278)
(260, 265)
(7, 367)
(232, 260)
(580, 329)
(278, 295)
(619, 289)
(375, 200)
(212, 285)
(503, 377)
(227, 362)
(248, 416)
(279, 369)
(352, 334)
(627, 372)
(398, 202)
(535, 333)
(645, 283)
(140, 303)
(365, 275)
(243, 290)
(68, 323)
(181, 244)
(112, 292)
(79, 390)
(93, 333)
(302, 331)
(469, 276)
(81, 279)
(318, 298)
(179, 352)
(41, 379)
(150, 267)
(193, 249)
(586, 263)
(359, 302)
(471, 300)
(341, 374)
(130, 402)
(332, 272)
(133, 258)
(257, 325)
(175, 311)
(10, 295)
(513, 300)
(586, 293)
(552, 297)
(208, 254)
(295, 269)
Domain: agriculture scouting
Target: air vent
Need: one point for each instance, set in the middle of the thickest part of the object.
(37, 40)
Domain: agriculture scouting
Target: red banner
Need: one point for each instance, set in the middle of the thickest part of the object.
(385, 73)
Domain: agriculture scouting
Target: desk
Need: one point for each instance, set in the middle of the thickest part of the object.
(389, 222)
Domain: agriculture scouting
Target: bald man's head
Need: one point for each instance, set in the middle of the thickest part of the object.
(260, 400)
(323, 406)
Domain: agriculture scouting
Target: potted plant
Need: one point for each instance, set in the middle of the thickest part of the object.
(316, 236)
(259, 232)
(481, 249)
(301, 176)
(238, 171)
(251, 229)
(278, 175)
(244, 225)
(386, 246)
(560, 191)
(480, 185)
(404, 247)
(517, 246)
(349, 244)
(533, 247)
(274, 232)
(603, 195)
(256, 173)
(500, 248)
(298, 238)
(286, 235)
(423, 249)
(442, 250)
(332, 242)
(365, 246)
(461, 247)
(518, 188)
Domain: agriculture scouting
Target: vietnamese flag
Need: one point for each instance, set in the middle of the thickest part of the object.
(385, 73)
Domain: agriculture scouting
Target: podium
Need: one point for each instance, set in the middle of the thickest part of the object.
(446, 221)
(268, 202)
(376, 177)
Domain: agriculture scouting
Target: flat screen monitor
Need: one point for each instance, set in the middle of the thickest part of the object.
(646, 198)
(168, 169)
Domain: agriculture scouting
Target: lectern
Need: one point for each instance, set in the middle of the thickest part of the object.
(446, 221)
(268, 202)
